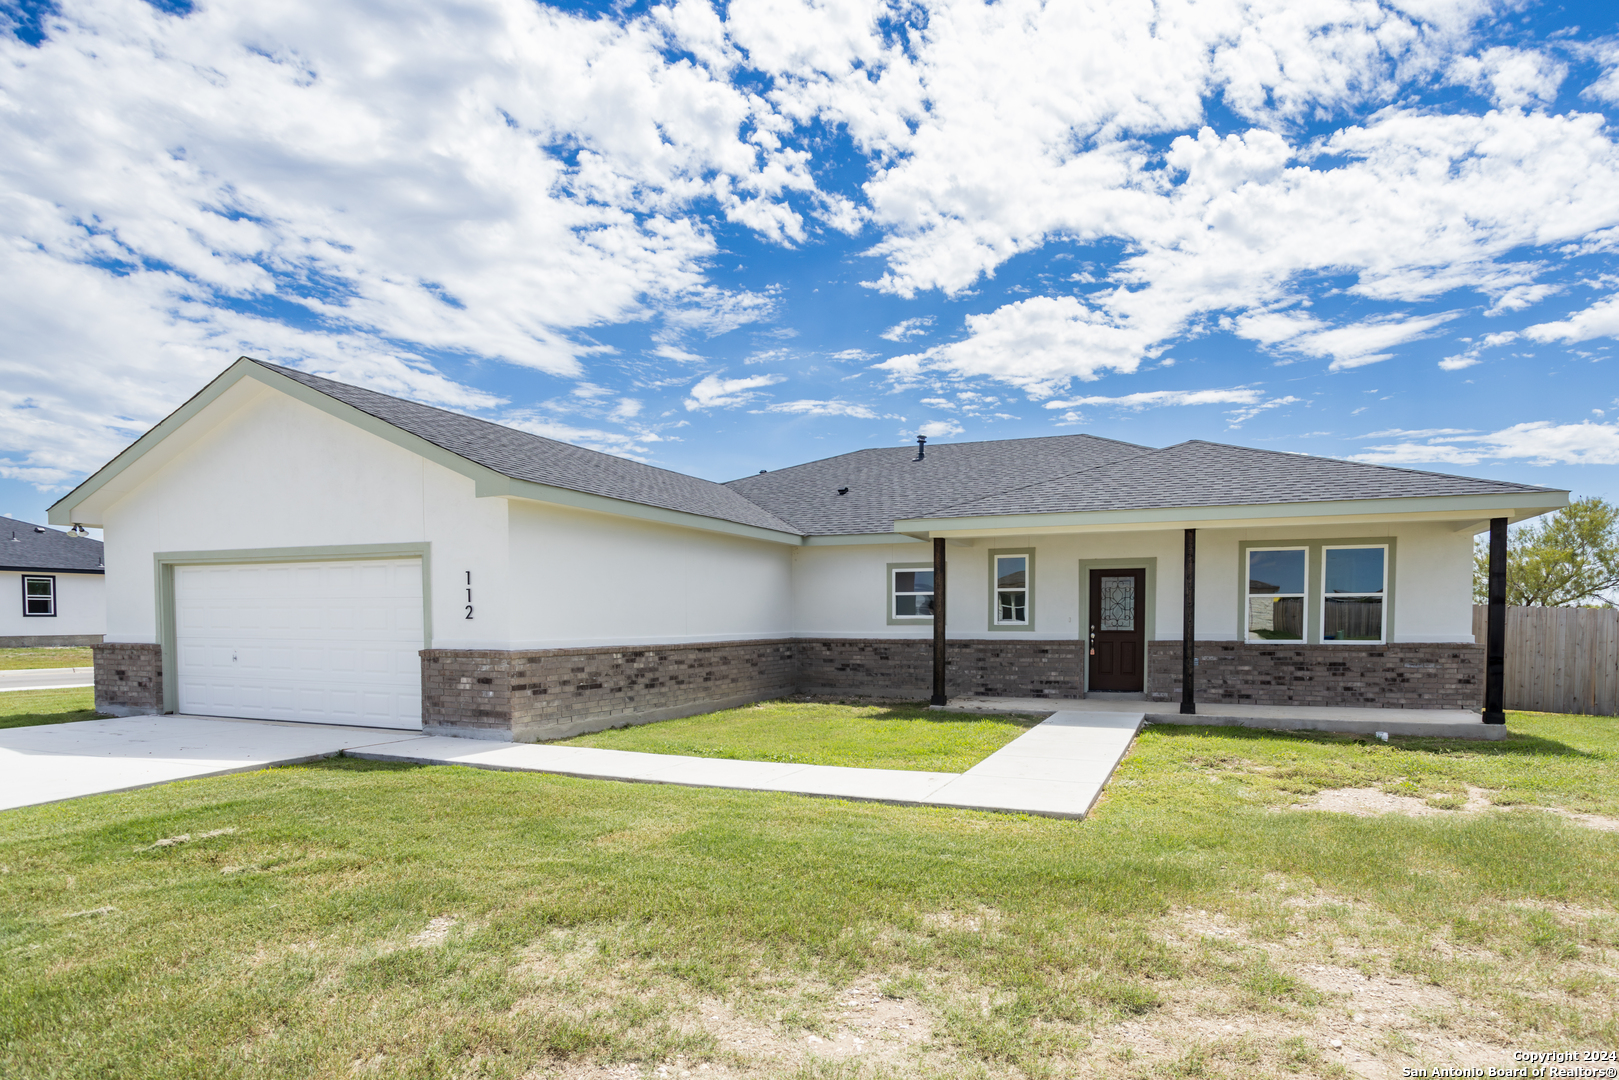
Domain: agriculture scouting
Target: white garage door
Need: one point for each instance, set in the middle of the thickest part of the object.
(332, 642)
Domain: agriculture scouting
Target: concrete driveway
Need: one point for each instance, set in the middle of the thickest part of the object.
(64, 761)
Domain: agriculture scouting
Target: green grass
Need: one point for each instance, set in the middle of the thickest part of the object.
(22, 659)
(610, 924)
(25, 708)
(862, 736)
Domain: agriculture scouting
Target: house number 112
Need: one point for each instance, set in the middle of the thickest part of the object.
(469, 594)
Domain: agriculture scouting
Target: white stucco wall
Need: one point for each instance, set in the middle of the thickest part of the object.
(264, 470)
(582, 579)
(841, 591)
(81, 606)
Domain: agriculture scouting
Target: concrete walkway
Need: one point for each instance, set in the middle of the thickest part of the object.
(51, 762)
(1057, 768)
(60, 678)
(1408, 723)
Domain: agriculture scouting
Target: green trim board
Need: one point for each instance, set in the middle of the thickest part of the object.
(488, 483)
(164, 562)
(1149, 563)
(888, 593)
(1014, 628)
(1519, 505)
(1313, 569)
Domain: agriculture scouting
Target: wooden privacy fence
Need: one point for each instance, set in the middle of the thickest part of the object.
(1559, 659)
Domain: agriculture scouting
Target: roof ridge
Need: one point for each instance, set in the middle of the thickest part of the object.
(936, 446)
(1364, 464)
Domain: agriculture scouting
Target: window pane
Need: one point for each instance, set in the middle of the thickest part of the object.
(38, 586)
(1358, 618)
(1275, 572)
(1013, 606)
(1275, 619)
(1354, 570)
(1118, 603)
(1011, 572)
(913, 581)
(920, 606)
(38, 605)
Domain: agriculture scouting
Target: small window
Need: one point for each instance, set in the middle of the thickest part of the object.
(913, 594)
(1353, 585)
(38, 596)
(1011, 590)
(1276, 594)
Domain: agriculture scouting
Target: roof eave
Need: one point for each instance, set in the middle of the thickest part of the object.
(1515, 506)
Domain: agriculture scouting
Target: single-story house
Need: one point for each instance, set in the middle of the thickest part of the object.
(289, 547)
(54, 587)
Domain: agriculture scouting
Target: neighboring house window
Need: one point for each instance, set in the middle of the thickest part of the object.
(912, 592)
(1275, 606)
(38, 595)
(1011, 590)
(1353, 583)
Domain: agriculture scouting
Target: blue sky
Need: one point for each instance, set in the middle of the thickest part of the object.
(722, 239)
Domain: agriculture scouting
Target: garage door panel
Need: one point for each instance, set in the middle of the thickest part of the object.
(323, 641)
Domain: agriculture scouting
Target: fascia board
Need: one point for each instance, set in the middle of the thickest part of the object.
(1516, 506)
(858, 538)
(496, 485)
(489, 483)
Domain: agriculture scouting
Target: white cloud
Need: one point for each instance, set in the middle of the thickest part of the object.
(634, 445)
(1601, 319)
(909, 328)
(1420, 433)
(936, 429)
(1240, 416)
(713, 392)
(810, 407)
(1459, 361)
(1513, 78)
(1540, 442)
(1151, 399)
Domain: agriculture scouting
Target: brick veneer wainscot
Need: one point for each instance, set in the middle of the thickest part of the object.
(129, 678)
(553, 693)
(1406, 675)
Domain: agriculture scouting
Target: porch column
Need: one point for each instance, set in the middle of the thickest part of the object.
(1495, 646)
(939, 697)
(1188, 624)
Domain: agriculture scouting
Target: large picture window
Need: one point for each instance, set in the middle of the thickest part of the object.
(1353, 585)
(910, 594)
(1275, 594)
(1011, 590)
(38, 595)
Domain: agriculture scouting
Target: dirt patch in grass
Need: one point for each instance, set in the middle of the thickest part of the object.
(1370, 802)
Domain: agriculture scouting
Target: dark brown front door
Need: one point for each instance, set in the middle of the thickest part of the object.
(1118, 629)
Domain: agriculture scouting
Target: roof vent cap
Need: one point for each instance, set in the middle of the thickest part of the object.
(843, 491)
(921, 447)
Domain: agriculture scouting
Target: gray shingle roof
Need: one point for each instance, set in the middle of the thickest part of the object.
(886, 484)
(1052, 474)
(1198, 473)
(37, 548)
(522, 456)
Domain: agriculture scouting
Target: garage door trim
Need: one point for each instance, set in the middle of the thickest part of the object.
(164, 563)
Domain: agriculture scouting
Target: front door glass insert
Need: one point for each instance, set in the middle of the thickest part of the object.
(1118, 603)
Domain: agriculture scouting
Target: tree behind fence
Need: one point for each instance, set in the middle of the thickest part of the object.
(1559, 659)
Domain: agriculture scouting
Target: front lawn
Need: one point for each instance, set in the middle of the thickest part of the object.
(25, 708)
(22, 659)
(361, 919)
(863, 736)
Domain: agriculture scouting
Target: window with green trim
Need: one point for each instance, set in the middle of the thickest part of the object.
(1354, 581)
(1275, 594)
(1011, 590)
(911, 594)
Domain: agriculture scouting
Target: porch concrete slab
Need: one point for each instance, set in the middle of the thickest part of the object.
(51, 762)
(47, 678)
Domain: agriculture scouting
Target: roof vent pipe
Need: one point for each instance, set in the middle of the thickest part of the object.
(921, 448)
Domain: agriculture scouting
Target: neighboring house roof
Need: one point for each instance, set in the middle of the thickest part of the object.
(1198, 473)
(539, 460)
(887, 484)
(26, 546)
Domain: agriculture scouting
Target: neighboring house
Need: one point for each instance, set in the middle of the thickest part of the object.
(288, 547)
(52, 587)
